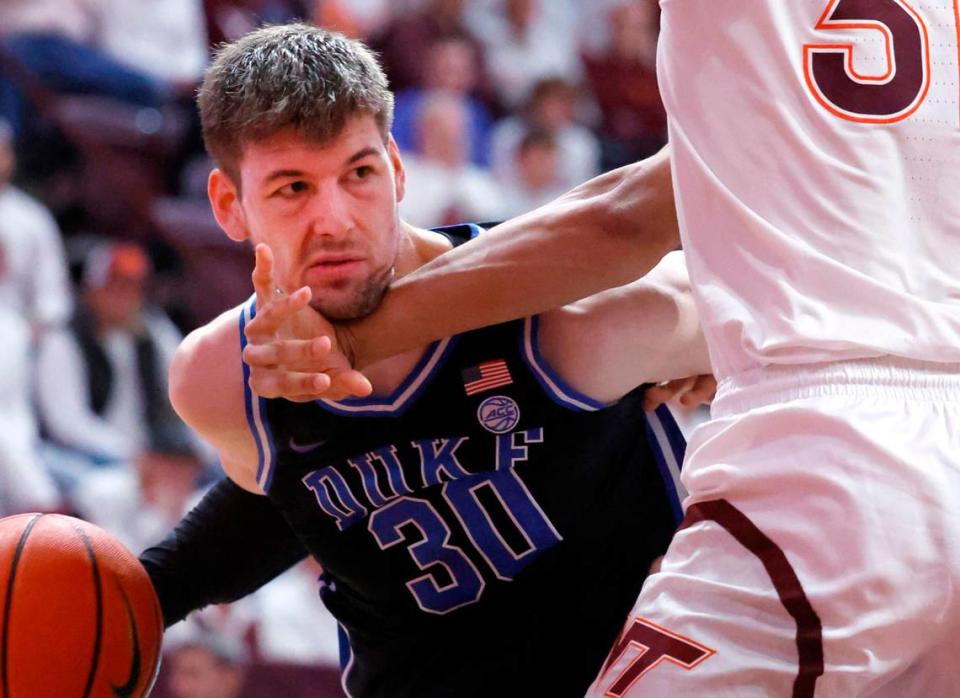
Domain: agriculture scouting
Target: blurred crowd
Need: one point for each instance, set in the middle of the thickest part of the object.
(108, 251)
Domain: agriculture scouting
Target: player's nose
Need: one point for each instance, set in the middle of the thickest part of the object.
(330, 213)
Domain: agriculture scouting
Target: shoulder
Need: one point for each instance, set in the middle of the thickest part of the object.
(647, 331)
(207, 391)
(16, 202)
(206, 370)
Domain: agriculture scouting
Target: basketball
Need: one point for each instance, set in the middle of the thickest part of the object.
(79, 615)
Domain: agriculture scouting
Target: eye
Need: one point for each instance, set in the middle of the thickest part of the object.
(362, 172)
(292, 189)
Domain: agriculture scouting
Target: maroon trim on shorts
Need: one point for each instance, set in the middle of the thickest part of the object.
(785, 581)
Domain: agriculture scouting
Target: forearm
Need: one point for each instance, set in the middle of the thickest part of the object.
(604, 233)
(231, 544)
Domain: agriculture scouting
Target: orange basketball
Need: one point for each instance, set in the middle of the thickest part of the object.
(78, 615)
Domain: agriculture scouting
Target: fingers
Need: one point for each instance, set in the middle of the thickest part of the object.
(348, 383)
(272, 314)
(263, 273)
(701, 392)
(301, 370)
(664, 392)
(689, 392)
(296, 354)
(298, 386)
(292, 385)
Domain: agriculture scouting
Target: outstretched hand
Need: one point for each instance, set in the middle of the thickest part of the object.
(689, 392)
(291, 348)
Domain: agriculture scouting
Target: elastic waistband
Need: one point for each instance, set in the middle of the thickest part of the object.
(885, 376)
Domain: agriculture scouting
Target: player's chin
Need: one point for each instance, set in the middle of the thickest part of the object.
(344, 307)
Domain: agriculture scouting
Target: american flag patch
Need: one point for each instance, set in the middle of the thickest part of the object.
(486, 376)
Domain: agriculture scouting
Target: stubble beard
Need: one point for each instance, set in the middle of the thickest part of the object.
(362, 301)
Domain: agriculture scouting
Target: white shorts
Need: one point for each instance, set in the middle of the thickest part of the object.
(820, 554)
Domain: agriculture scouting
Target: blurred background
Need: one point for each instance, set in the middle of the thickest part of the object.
(109, 253)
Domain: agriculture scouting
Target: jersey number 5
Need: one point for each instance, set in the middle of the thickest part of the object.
(885, 98)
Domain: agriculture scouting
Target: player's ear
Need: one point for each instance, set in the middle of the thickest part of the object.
(399, 174)
(225, 202)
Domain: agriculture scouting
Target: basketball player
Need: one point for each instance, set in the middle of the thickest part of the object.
(815, 157)
(485, 518)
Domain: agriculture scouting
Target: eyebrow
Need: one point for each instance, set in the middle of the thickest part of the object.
(284, 174)
(361, 154)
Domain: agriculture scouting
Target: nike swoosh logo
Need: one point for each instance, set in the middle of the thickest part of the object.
(305, 448)
(127, 689)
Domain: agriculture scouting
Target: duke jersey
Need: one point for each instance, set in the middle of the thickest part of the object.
(484, 529)
(816, 158)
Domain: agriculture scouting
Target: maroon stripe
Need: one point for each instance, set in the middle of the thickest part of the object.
(785, 581)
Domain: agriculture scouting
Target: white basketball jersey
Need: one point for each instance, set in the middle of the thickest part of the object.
(816, 156)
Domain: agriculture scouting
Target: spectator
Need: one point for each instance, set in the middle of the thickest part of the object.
(292, 626)
(537, 177)
(525, 42)
(401, 44)
(443, 187)
(204, 664)
(102, 381)
(228, 20)
(165, 40)
(355, 18)
(551, 108)
(450, 66)
(52, 42)
(623, 80)
(34, 298)
(140, 504)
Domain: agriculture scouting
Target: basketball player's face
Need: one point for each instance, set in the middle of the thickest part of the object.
(329, 213)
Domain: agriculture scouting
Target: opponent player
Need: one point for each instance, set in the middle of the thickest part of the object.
(486, 518)
(815, 152)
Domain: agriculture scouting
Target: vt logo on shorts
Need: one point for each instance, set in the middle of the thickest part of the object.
(649, 645)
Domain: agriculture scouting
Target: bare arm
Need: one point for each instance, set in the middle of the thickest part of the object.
(206, 390)
(647, 331)
(605, 233)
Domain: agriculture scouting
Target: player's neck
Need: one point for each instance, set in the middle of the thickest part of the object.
(417, 247)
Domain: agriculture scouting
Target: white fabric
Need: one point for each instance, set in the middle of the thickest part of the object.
(33, 270)
(851, 469)
(110, 498)
(550, 47)
(34, 294)
(63, 395)
(76, 19)
(811, 237)
(433, 191)
(579, 150)
(822, 253)
(293, 624)
(518, 198)
(166, 39)
(24, 484)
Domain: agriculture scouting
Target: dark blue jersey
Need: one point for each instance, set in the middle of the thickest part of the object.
(484, 529)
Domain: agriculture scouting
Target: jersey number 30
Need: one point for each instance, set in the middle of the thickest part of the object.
(883, 98)
(472, 500)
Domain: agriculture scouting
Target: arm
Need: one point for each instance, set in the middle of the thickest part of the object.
(231, 544)
(647, 331)
(206, 390)
(51, 293)
(605, 233)
(234, 541)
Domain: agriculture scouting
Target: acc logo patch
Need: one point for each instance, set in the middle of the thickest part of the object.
(498, 414)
